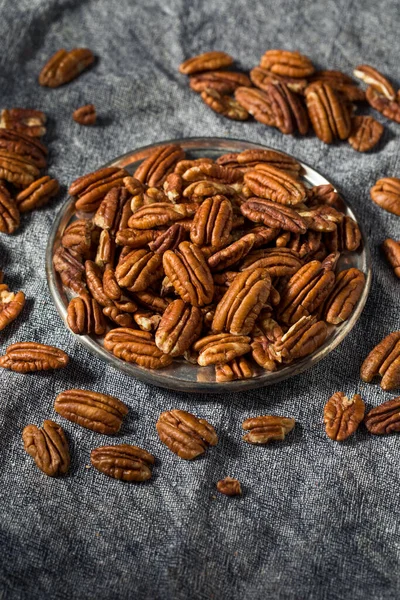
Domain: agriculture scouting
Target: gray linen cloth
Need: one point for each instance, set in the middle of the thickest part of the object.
(318, 520)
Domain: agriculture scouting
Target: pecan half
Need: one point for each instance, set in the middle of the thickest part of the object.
(24, 145)
(70, 269)
(84, 316)
(37, 194)
(152, 301)
(344, 296)
(185, 434)
(273, 184)
(125, 335)
(265, 429)
(179, 327)
(271, 214)
(342, 416)
(372, 77)
(90, 189)
(239, 368)
(224, 105)
(10, 305)
(278, 262)
(135, 348)
(329, 116)
(159, 164)
(212, 172)
(173, 187)
(94, 280)
(169, 240)
(386, 194)
(123, 462)
(384, 361)
(64, 66)
(341, 83)
(24, 120)
(221, 348)
(189, 273)
(287, 63)
(325, 194)
(26, 357)
(302, 339)
(385, 418)
(232, 254)
(114, 211)
(135, 238)
(18, 170)
(138, 270)
(146, 320)
(365, 133)
(257, 103)
(223, 82)
(48, 447)
(121, 318)
(208, 61)
(248, 159)
(105, 250)
(241, 304)
(389, 108)
(160, 214)
(321, 218)
(212, 223)
(95, 411)
(229, 487)
(85, 115)
(391, 249)
(110, 283)
(262, 78)
(79, 238)
(9, 213)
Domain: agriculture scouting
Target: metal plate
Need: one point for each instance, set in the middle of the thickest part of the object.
(182, 376)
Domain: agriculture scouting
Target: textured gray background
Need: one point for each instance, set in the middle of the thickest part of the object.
(318, 520)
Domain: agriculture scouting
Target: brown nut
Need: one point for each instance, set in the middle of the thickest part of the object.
(9, 213)
(384, 360)
(26, 357)
(185, 434)
(229, 487)
(84, 316)
(135, 348)
(372, 77)
(114, 211)
(189, 273)
(94, 280)
(276, 185)
(287, 63)
(21, 171)
(385, 418)
(95, 411)
(70, 269)
(152, 301)
(257, 103)
(125, 335)
(389, 108)
(391, 249)
(110, 284)
(249, 159)
(342, 416)
(265, 429)
(138, 270)
(365, 133)
(278, 262)
(344, 296)
(328, 114)
(223, 82)
(10, 305)
(222, 259)
(273, 215)
(210, 171)
(239, 368)
(24, 120)
(24, 145)
(224, 105)
(48, 447)
(90, 189)
(123, 462)
(212, 223)
(180, 326)
(64, 66)
(241, 304)
(168, 240)
(325, 194)
(262, 78)
(37, 194)
(79, 238)
(136, 238)
(121, 318)
(386, 194)
(301, 339)
(221, 348)
(85, 115)
(162, 161)
(209, 61)
(160, 214)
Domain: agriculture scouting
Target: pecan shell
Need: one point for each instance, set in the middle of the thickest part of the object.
(365, 133)
(384, 360)
(329, 116)
(123, 462)
(342, 416)
(26, 357)
(208, 61)
(85, 115)
(386, 194)
(265, 429)
(391, 249)
(179, 327)
(385, 418)
(287, 63)
(344, 296)
(64, 66)
(185, 434)
(273, 184)
(95, 411)
(48, 447)
(212, 223)
(229, 487)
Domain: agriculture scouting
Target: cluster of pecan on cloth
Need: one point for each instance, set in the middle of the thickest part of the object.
(230, 263)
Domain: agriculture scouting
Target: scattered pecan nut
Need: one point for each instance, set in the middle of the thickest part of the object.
(372, 77)
(262, 78)
(388, 108)
(179, 328)
(161, 162)
(85, 115)
(10, 305)
(386, 194)
(328, 114)
(209, 61)
(24, 120)
(90, 189)
(64, 66)
(26, 357)
(24, 145)
(257, 103)
(344, 296)
(221, 348)
(37, 194)
(18, 170)
(224, 105)
(185, 434)
(123, 462)
(287, 63)
(48, 447)
(85, 317)
(239, 368)
(223, 82)
(384, 361)
(391, 249)
(265, 429)
(70, 269)
(342, 415)
(300, 340)
(95, 411)
(9, 213)
(229, 487)
(385, 418)
(365, 133)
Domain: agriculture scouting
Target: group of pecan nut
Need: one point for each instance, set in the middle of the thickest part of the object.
(211, 261)
(285, 91)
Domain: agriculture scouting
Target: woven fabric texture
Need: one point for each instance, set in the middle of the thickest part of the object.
(318, 520)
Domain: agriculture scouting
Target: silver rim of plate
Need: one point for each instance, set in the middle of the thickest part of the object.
(181, 375)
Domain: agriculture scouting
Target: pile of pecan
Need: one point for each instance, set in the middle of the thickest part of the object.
(285, 91)
(216, 262)
(23, 157)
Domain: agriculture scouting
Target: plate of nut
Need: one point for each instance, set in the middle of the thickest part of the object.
(208, 265)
